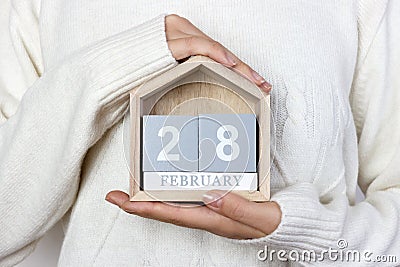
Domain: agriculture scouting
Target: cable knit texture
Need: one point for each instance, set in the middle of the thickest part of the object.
(67, 69)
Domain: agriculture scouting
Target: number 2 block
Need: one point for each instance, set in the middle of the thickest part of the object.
(227, 143)
(170, 143)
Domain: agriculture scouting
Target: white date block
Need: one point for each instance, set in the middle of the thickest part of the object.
(227, 143)
(170, 143)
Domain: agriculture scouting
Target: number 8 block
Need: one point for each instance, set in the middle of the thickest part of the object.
(227, 143)
(170, 143)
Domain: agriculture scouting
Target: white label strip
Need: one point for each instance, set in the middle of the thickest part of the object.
(199, 181)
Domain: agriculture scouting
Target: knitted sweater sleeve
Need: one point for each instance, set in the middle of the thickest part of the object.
(47, 127)
(371, 226)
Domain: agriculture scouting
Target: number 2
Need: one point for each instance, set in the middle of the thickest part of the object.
(164, 153)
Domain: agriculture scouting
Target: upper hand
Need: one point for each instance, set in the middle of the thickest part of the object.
(185, 40)
(225, 214)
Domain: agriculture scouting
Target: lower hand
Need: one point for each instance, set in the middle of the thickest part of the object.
(225, 214)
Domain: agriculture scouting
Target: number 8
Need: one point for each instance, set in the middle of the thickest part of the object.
(227, 142)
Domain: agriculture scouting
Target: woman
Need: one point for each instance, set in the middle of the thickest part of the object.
(332, 68)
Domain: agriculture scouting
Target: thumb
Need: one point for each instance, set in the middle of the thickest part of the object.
(117, 197)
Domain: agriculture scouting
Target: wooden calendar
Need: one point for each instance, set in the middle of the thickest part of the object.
(197, 127)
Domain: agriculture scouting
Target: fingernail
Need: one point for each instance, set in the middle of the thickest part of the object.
(212, 199)
(267, 87)
(257, 76)
(230, 60)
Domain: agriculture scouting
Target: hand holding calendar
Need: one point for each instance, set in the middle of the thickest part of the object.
(188, 152)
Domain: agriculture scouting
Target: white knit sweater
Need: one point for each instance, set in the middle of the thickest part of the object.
(66, 68)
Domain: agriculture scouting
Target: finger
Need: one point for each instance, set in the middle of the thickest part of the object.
(194, 45)
(247, 72)
(117, 197)
(199, 217)
(262, 216)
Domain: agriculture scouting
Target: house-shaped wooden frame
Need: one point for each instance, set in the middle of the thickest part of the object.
(198, 86)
